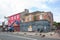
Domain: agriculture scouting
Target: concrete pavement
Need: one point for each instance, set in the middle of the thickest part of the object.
(47, 35)
(6, 36)
(11, 36)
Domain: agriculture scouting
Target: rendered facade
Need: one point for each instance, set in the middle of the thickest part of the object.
(34, 21)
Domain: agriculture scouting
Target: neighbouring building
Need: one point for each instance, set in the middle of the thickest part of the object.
(1, 28)
(14, 20)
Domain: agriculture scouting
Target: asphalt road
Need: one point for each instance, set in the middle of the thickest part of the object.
(10, 36)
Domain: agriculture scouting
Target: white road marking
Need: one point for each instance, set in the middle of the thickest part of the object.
(20, 37)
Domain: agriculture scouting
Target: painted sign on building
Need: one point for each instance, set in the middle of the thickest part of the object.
(13, 18)
(30, 28)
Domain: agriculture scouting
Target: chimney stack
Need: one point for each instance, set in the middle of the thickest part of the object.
(26, 10)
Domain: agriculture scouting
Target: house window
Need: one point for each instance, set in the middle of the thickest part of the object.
(18, 16)
(26, 19)
(11, 18)
(41, 17)
(30, 17)
(15, 17)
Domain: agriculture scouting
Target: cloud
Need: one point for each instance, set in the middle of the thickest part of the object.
(14, 6)
(57, 19)
(56, 15)
(10, 7)
(53, 1)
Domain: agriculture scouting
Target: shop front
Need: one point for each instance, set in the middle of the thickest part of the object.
(39, 26)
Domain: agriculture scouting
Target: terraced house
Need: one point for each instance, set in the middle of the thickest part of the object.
(36, 21)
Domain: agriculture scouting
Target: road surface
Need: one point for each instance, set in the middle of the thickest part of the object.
(10, 36)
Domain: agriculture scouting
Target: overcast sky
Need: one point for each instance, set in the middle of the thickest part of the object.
(10, 7)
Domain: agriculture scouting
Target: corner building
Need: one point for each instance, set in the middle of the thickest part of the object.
(37, 20)
(34, 21)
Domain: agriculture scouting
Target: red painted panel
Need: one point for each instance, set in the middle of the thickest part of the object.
(17, 28)
(18, 17)
(13, 18)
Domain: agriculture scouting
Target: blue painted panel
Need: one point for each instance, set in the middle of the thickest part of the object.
(35, 25)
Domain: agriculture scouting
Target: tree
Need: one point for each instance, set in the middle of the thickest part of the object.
(55, 23)
(58, 26)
